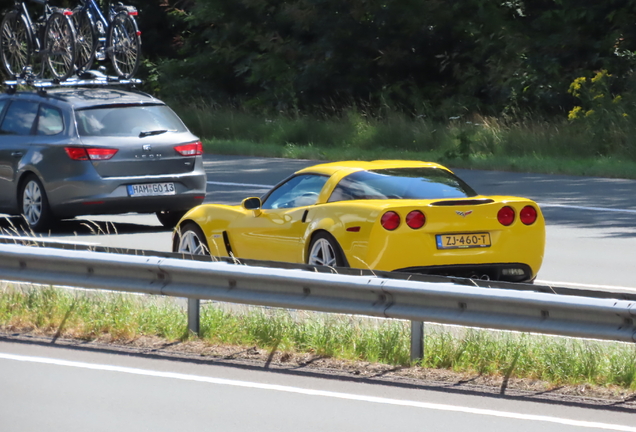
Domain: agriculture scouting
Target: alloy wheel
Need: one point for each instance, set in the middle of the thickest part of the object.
(32, 203)
(322, 253)
(190, 243)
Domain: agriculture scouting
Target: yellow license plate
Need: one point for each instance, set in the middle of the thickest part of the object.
(461, 241)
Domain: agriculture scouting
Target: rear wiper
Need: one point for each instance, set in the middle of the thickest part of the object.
(154, 132)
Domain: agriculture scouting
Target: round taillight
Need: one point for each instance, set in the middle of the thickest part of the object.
(506, 216)
(528, 215)
(415, 219)
(390, 220)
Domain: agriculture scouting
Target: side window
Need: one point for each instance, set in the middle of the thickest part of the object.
(50, 121)
(19, 118)
(298, 191)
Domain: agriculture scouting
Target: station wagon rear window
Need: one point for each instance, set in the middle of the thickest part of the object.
(128, 121)
(401, 183)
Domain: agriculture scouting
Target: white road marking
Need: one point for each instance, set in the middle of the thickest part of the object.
(601, 209)
(250, 185)
(47, 240)
(321, 393)
(585, 286)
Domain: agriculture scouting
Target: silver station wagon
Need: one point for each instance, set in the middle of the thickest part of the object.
(88, 151)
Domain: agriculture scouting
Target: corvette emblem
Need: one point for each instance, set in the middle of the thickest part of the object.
(464, 214)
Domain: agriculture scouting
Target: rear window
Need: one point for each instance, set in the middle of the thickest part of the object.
(401, 183)
(127, 121)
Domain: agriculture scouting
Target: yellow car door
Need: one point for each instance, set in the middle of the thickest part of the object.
(275, 231)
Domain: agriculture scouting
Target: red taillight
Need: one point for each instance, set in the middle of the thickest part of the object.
(133, 13)
(82, 154)
(138, 33)
(76, 153)
(67, 12)
(192, 149)
(528, 215)
(415, 219)
(390, 220)
(506, 216)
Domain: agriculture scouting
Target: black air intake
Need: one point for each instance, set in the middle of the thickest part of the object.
(463, 202)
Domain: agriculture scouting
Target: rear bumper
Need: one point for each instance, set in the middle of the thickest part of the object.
(92, 196)
(101, 206)
(509, 272)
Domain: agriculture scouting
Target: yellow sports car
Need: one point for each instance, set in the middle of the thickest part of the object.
(384, 215)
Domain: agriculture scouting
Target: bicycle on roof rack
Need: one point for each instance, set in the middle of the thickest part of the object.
(28, 48)
(112, 33)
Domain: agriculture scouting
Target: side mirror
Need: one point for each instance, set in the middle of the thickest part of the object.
(251, 203)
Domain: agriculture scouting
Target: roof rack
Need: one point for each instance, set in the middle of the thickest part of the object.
(92, 78)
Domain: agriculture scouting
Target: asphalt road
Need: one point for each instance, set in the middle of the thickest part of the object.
(48, 388)
(591, 241)
(591, 222)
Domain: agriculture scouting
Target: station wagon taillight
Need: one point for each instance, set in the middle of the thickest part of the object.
(390, 220)
(82, 153)
(528, 215)
(192, 149)
(506, 216)
(415, 219)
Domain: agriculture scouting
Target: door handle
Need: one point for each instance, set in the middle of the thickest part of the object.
(16, 154)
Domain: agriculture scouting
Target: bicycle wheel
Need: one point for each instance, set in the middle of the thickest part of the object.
(124, 45)
(87, 39)
(16, 45)
(59, 46)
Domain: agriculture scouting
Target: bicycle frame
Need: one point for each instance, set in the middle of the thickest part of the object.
(97, 15)
(20, 6)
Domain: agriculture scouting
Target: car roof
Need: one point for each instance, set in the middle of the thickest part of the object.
(86, 97)
(347, 167)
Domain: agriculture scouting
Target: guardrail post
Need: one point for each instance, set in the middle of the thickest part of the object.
(417, 340)
(194, 315)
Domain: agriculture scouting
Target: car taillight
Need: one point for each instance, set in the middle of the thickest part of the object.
(101, 153)
(82, 154)
(390, 220)
(528, 215)
(415, 219)
(192, 149)
(506, 216)
(76, 153)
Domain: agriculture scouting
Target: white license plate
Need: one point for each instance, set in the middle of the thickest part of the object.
(151, 189)
(462, 241)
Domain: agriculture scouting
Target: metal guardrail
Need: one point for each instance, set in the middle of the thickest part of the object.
(439, 302)
(78, 246)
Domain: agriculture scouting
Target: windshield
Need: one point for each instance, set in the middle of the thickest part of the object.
(127, 121)
(401, 183)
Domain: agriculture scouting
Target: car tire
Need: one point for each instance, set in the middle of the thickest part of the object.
(170, 219)
(34, 205)
(189, 240)
(324, 250)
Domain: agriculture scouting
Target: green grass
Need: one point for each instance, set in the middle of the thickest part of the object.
(123, 317)
(556, 147)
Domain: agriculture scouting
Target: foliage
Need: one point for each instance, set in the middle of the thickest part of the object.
(428, 57)
(601, 113)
